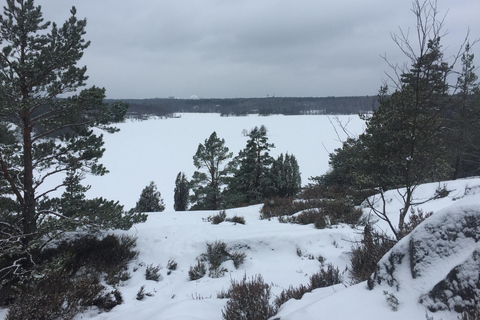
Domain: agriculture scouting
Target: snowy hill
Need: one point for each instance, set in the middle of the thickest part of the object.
(272, 250)
(284, 254)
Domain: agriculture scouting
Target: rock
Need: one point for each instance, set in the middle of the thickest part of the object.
(441, 256)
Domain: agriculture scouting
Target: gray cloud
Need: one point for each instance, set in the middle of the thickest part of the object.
(248, 48)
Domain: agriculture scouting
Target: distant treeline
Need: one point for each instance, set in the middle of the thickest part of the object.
(166, 107)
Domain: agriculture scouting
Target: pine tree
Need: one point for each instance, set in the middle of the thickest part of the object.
(46, 135)
(207, 186)
(405, 141)
(150, 200)
(285, 174)
(181, 192)
(465, 125)
(252, 182)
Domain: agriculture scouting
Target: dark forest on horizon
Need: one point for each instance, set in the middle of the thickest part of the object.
(165, 107)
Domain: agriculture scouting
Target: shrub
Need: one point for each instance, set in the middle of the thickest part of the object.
(236, 219)
(238, 258)
(197, 271)
(141, 293)
(153, 273)
(217, 253)
(291, 293)
(326, 278)
(249, 300)
(276, 207)
(414, 220)
(171, 266)
(219, 218)
(67, 278)
(320, 212)
(365, 256)
(320, 279)
(57, 297)
(109, 255)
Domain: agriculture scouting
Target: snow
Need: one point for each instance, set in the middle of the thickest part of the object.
(158, 149)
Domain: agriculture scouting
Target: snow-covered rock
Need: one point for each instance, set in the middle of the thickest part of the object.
(440, 258)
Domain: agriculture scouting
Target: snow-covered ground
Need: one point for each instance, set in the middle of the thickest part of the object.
(158, 149)
(271, 249)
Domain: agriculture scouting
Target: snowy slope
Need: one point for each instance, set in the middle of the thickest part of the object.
(271, 249)
(158, 149)
(366, 304)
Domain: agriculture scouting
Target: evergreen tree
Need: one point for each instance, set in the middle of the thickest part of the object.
(251, 181)
(405, 141)
(150, 200)
(46, 135)
(207, 186)
(405, 136)
(465, 125)
(181, 192)
(285, 175)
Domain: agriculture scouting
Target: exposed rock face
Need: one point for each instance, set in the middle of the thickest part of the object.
(441, 256)
(459, 291)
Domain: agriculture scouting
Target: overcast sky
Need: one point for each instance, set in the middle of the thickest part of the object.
(249, 48)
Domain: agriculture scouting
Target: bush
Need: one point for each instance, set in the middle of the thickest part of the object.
(326, 278)
(217, 253)
(320, 212)
(291, 293)
(109, 255)
(238, 258)
(171, 266)
(57, 297)
(249, 300)
(365, 256)
(236, 219)
(414, 220)
(153, 273)
(222, 217)
(197, 271)
(67, 278)
(217, 219)
(276, 207)
(320, 279)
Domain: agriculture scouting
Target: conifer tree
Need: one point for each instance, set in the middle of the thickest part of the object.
(406, 139)
(207, 186)
(285, 174)
(42, 134)
(181, 192)
(464, 131)
(251, 181)
(150, 200)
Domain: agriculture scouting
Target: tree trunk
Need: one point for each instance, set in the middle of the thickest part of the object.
(28, 214)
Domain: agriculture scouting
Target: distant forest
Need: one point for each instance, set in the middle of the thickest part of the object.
(167, 107)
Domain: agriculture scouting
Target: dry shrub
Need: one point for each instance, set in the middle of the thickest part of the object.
(197, 271)
(365, 255)
(276, 207)
(67, 278)
(415, 219)
(321, 279)
(236, 219)
(57, 297)
(218, 218)
(291, 293)
(249, 300)
(217, 253)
